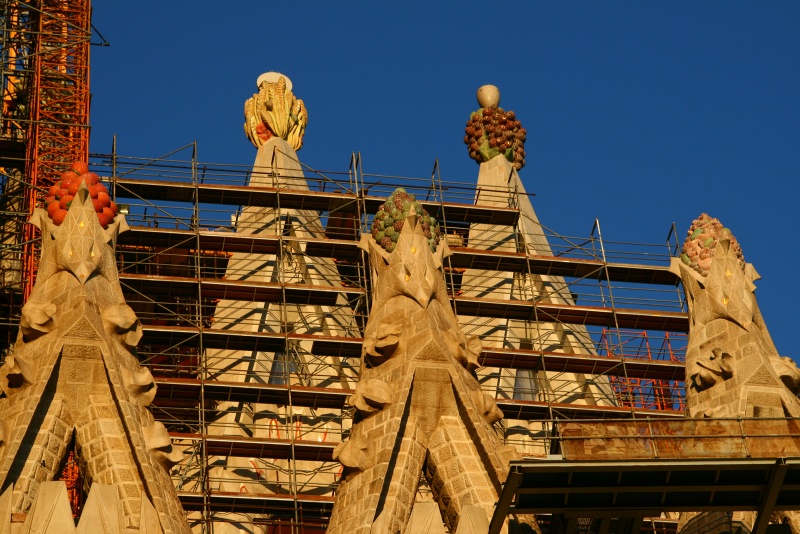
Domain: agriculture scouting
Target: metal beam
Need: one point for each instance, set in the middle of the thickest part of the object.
(776, 479)
(593, 488)
(512, 482)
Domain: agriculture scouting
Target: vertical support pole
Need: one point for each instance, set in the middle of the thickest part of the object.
(365, 272)
(114, 168)
(498, 519)
(767, 504)
(361, 215)
(201, 360)
(514, 202)
(614, 315)
(674, 252)
(445, 233)
(653, 437)
(744, 435)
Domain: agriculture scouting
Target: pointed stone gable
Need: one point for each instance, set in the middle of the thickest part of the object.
(433, 421)
(75, 378)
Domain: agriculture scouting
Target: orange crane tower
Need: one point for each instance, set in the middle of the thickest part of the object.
(45, 86)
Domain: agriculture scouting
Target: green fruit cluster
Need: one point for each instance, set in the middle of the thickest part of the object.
(388, 222)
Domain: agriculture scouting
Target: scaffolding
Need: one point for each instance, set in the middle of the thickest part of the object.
(254, 371)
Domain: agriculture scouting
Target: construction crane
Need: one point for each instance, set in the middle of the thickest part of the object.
(44, 77)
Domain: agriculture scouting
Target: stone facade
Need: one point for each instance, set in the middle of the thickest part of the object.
(74, 381)
(420, 411)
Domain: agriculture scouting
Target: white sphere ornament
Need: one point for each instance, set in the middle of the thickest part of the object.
(272, 77)
(488, 96)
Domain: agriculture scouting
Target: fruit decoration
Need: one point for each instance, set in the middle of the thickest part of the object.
(492, 131)
(701, 243)
(59, 197)
(388, 222)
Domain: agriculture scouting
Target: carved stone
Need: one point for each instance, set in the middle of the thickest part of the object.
(75, 376)
(50, 513)
(473, 521)
(5, 510)
(492, 131)
(426, 519)
(101, 513)
(431, 419)
(732, 366)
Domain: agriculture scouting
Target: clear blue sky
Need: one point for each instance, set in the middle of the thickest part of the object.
(639, 113)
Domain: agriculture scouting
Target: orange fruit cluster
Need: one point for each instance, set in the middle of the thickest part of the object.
(61, 194)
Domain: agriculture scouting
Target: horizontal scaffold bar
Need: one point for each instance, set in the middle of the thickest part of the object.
(466, 258)
(510, 358)
(227, 241)
(238, 195)
(524, 310)
(230, 339)
(497, 260)
(187, 390)
(278, 504)
(156, 286)
(247, 447)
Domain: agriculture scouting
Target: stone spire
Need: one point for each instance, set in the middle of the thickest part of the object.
(732, 367)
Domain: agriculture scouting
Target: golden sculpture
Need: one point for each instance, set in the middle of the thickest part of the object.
(274, 110)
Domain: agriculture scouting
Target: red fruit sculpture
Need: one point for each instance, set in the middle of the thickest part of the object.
(62, 192)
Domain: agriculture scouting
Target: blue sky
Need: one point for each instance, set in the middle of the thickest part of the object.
(638, 113)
